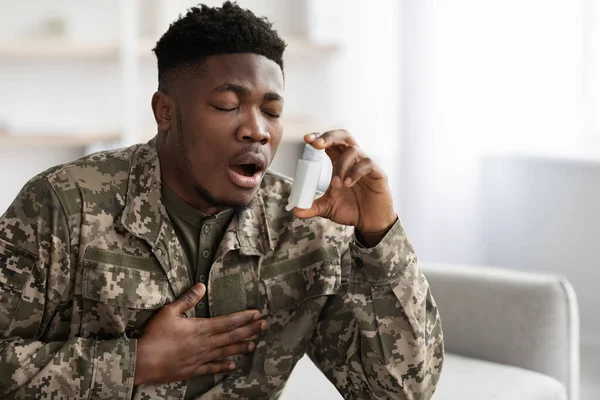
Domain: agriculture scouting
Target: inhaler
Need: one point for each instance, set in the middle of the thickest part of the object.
(308, 172)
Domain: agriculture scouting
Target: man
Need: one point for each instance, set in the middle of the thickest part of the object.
(171, 269)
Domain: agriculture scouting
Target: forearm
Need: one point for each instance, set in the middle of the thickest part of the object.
(76, 368)
(393, 348)
(401, 350)
(400, 325)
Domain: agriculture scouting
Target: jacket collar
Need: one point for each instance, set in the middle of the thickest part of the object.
(145, 213)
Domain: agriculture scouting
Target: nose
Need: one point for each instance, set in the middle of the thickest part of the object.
(253, 129)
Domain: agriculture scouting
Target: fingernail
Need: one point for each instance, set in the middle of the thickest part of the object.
(232, 366)
(348, 181)
(251, 347)
(256, 317)
(263, 326)
(320, 141)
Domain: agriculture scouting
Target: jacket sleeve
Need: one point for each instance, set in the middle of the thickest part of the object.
(37, 274)
(381, 336)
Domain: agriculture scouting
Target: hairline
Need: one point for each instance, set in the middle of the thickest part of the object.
(195, 68)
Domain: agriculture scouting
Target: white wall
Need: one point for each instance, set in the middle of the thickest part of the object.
(53, 94)
(460, 203)
(544, 214)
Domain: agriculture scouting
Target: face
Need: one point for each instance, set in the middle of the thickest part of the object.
(219, 131)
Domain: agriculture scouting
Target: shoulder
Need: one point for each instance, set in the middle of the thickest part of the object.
(276, 185)
(92, 172)
(98, 178)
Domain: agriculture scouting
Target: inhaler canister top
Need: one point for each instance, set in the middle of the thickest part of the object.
(312, 154)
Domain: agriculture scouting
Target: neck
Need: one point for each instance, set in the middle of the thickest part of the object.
(183, 186)
(186, 192)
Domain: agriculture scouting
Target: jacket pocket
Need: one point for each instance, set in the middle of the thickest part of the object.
(295, 298)
(119, 299)
(16, 266)
(123, 286)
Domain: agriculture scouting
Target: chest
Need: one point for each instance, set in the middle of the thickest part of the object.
(118, 290)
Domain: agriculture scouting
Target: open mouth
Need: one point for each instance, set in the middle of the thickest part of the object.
(245, 169)
(247, 176)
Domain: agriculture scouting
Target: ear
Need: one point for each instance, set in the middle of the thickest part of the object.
(163, 107)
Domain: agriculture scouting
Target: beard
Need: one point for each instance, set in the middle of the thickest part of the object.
(185, 167)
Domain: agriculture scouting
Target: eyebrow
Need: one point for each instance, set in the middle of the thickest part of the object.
(244, 91)
(273, 97)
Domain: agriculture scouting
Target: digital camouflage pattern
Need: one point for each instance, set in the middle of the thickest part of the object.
(87, 255)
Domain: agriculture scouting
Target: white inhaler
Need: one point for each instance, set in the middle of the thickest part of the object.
(306, 179)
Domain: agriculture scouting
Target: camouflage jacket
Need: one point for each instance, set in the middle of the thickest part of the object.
(87, 256)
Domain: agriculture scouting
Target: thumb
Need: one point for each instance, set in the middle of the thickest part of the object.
(319, 209)
(189, 299)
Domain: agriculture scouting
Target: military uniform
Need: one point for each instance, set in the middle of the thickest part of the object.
(88, 254)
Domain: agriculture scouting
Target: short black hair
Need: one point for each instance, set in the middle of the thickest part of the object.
(205, 31)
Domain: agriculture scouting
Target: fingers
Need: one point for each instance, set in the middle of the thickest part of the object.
(338, 137)
(189, 299)
(238, 334)
(320, 207)
(344, 153)
(232, 350)
(350, 163)
(215, 367)
(230, 322)
(364, 167)
(344, 163)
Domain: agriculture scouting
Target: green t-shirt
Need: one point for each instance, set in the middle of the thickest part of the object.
(199, 235)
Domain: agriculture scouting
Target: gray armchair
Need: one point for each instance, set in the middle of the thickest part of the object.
(509, 335)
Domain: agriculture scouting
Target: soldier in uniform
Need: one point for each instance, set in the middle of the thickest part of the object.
(171, 269)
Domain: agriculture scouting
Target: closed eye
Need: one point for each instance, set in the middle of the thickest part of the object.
(272, 115)
(226, 109)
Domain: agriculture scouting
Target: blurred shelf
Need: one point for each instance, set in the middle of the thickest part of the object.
(52, 141)
(57, 49)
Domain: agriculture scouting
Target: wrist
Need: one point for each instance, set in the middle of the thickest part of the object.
(381, 225)
(371, 238)
(142, 364)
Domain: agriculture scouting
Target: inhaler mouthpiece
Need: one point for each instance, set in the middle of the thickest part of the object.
(306, 179)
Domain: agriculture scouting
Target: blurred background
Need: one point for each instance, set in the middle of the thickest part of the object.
(484, 113)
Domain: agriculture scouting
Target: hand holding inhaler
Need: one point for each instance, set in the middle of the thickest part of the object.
(358, 195)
